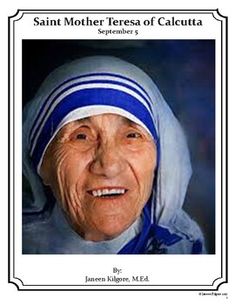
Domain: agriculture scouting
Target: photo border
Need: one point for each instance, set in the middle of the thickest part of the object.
(224, 155)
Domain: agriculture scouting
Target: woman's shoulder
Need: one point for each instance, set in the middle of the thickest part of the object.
(36, 236)
(185, 224)
(192, 238)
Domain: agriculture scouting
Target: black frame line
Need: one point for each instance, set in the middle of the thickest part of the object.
(224, 142)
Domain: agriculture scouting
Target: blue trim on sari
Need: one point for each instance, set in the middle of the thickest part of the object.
(197, 247)
(153, 239)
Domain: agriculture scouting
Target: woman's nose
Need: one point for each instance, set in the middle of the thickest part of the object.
(107, 161)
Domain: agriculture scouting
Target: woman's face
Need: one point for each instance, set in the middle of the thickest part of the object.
(101, 171)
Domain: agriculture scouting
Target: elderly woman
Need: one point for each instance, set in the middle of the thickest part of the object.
(100, 136)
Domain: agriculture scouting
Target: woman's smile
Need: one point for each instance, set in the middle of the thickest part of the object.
(107, 192)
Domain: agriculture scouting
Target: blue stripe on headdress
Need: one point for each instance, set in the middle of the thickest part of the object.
(90, 97)
(39, 118)
(86, 83)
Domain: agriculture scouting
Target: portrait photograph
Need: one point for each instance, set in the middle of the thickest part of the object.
(144, 186)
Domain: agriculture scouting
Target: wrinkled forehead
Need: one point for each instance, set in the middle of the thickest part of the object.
(101, 122)
(108, 117)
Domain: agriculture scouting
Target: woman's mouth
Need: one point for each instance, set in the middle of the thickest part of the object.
(107, 192)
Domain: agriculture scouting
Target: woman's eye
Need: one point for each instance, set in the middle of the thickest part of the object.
(133, 135)
(81, 136)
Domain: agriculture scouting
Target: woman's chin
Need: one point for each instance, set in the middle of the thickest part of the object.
(107, 230)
